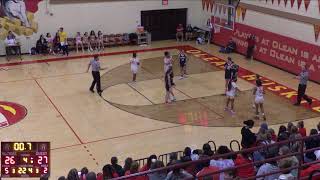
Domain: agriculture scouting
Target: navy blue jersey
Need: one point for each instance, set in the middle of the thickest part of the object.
(182, 58)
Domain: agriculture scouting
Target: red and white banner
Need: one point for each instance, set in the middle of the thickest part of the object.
(274, 49)
(306, 4)
(299, 3)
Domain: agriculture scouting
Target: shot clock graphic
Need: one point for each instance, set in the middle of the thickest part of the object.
(25, 159)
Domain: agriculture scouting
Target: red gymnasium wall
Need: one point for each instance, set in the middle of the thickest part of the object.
(274, 49)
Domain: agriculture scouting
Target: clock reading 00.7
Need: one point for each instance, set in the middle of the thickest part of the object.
(22, 146)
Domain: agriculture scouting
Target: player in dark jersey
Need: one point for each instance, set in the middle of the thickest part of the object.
(168, 86)
(183, 63)
(227, 72)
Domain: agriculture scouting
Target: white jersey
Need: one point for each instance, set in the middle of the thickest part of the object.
(232, 92)
(167, 63)
(135, 62)
(259, 95)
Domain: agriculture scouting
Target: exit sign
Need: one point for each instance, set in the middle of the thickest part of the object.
(165, 2)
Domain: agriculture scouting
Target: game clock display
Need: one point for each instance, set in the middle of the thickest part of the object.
(25, 159)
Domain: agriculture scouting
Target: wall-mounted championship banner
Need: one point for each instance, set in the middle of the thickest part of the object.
(18, 16)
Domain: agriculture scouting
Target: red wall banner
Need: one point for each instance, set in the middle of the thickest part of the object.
(274, 49)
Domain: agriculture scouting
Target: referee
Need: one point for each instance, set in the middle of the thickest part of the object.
(95, 67)
(303, 77)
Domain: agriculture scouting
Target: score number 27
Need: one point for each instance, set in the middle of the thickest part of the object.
(42, 160)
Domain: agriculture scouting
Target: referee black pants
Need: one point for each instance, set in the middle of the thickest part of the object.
(96, 80)
(301, 94)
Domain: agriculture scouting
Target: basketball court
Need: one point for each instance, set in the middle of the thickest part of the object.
(87, 130)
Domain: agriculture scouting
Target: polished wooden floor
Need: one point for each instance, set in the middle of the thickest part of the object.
(87, 130)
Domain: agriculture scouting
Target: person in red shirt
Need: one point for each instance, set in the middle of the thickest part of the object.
(247, 171)
(302, 130)
(135, 169)
(308, 171)
(179, 33)
(251, 44)
(206, 172)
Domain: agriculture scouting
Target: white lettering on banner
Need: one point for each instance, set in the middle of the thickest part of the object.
(265, 42)
(281, 57)
(316, 58)
(240, 42)
(284, 48)
(241, 34)
(263, 50)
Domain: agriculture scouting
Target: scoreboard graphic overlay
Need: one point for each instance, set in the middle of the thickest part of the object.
(25, 159)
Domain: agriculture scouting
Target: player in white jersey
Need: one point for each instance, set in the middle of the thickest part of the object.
(135, 63)
(259, 98)
(168, 63)
(253, 103)
(231, 93)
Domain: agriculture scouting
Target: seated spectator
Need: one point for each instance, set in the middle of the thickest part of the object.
(310, 144)
(134, 169)
(248, 138)
(189, 32)
(230, 47)
(179, 34)
(108, 172)
(172, 157)
(282, 130)
(262, 133)
(302, 130)
(295, 146)
(147, 166)
(12, 43)
(292, 159)
(49, 39)
(286, 175)
(273, 134)
(201, 39)
(160, 175)
(127, 164)
(206, 148)
(269, 167)
(318, 127)
(116, 166)
(62, 178)
(73, 175)
(56, 44)
(178, 173)
(247, 171)
(45, 177)
(289, 127)
(84, 171)
(195, 155)
(91, 176)
(206, 172)
(306, 172)
(186, 155)
(222, 163)
(42, 45)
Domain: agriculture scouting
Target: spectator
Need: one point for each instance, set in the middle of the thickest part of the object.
(230, 47)
(306, 172)
(284, 165)
(195, 155)
(247, 171)
(289, 127)
(262, 134)
(302, 130)
(44, 177)
(269, 167)
(314, 142)
(283, 134)
(134, 169)
(62, 178)
(146, 167)
(251, 44)
(172, 157)
(160, 175)
(189, 32)
(12, 43)
(206, 148)
(318, 127)
(56, 43)
(186, 155)
(178, 173)
(84, 171)
(210, 29)
(179, 34)
(127, 164)
(91, 176)
(293, 160)
(273, 134)
(42, 45)
(295, 146)
(73, 175)
(206, 172)
(224, 162)
(116, 166)
(107, 173)
(248, 138)
(49, 39)
(63, 41)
